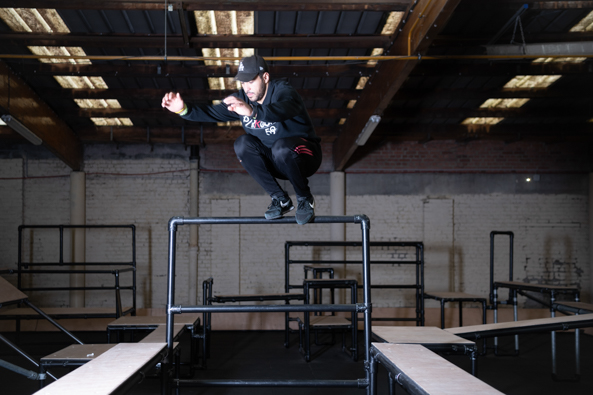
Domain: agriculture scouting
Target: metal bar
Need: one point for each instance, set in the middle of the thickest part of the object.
(24, 354)
(74, 263)
(366, 280)
(54, 323)
(133, 228)
(275, 308)
(360, 383)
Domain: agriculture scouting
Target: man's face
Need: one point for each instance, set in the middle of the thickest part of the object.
(255, 89)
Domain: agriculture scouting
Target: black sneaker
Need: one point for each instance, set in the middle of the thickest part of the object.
(305, 211)
(278, 208)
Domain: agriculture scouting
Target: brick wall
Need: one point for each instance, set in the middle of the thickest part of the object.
(401, 188)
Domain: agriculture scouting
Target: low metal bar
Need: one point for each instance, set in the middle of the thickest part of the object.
(359, 383)
(54, 323)
(24, 354)
(279, 308)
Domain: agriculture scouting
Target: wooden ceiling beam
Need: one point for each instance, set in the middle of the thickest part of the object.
(462, 113)
(494, 68)
(503, 132)
(189, 135)
(536, 5)
(21, 102)
(425, 23)
(197, 71)
(195, 95)
(221, 5)
(151, 113)
(207, 41)
(454, 42)
(483, 94)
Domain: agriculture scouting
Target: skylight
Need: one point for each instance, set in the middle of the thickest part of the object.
(530, 81)
(33, 20)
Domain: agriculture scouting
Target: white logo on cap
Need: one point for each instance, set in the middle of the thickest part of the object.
(261, 68)
(241, 67)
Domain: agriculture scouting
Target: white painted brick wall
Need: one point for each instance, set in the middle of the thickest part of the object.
(551, 231)
(11, 211)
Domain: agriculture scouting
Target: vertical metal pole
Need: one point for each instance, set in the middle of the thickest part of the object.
(494, 296)
(171, 284)
(516, 317)
(421, 245)
(366, 279)
(511, 242)
(134, 266)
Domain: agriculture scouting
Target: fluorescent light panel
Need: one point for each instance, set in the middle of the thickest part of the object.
(368, 130)
(21, 129)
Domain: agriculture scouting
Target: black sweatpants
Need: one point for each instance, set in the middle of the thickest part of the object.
(293, 159)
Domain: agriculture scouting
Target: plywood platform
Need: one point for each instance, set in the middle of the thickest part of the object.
(512, 327)
(428, 373)
(425, 335)
(109, 372)
(9, 293)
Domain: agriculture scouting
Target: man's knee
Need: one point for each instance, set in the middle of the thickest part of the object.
(281, 149)
(244, 143)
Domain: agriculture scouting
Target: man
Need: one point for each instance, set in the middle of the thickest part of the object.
(280, 142)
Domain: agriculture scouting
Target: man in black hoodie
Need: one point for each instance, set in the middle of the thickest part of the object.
(280, 141)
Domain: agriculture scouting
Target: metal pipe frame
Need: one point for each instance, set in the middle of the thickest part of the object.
(116, 272)
(365, 307)
(419, 262)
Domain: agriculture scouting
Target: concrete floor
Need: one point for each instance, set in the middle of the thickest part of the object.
(261, 355)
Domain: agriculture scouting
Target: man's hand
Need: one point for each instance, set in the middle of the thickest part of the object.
(237, 105)
(173, 102)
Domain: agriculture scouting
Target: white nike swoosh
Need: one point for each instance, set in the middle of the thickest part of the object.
(284, 204)
(312, 205)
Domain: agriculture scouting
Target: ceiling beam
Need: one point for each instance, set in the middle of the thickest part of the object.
(196, 95)
(151, 113)
(189, 134)
(427, 20)
(502, 132)
(536, 5)
(203, 41)
(510, 68)
(170, 70)
(462, 113)
(220, 5)
(498, 93)
(20, 101)
(455, 42)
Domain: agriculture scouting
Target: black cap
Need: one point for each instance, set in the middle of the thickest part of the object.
(250, 67)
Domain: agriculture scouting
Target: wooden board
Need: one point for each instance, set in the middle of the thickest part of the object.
(432, 373)
(454, 295)
(148, 321)
(418, 335)
(56, 311)
(476, 329)
(518, 285)
(329, 320)
(9, 293)
(79, 352)
(106, 373)
(160, 333)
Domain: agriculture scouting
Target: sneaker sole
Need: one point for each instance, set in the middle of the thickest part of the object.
(281, 214)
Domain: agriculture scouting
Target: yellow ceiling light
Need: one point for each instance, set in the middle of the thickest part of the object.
(33, 20)
(230, 23)
(481, 121)
(584, 25)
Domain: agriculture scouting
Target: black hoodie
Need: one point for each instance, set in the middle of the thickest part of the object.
(282, 114)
